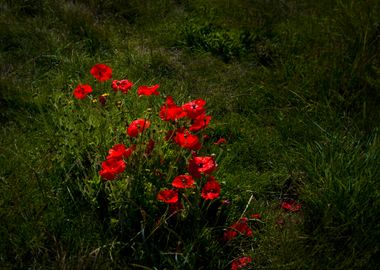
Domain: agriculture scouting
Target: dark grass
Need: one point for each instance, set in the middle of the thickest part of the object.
(293, 86)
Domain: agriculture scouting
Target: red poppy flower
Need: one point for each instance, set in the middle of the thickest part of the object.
(168, 196)
(194, 108)
(220, 141)
(183, 181)
(170, 111)
(200, 122)
(240, 227)
(101, 72)
(291, 205)
(137, 126)
(187, 140)
(82, 90)
(123, 85)
(111, 167)
(201, 165)
(119, 151)
(148, 90)
(211, 190)
(241, 263)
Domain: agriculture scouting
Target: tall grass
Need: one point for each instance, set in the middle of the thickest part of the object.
(292, 86)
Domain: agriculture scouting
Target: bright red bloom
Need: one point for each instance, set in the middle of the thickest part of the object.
(241, 263)
(82, 90)
(119, 151)
(291, 205)
(168, 196)
(111, 167)
(101, 72)
(123, 85)
(183, 181)
(240, 227)
(148, 90)
(201, 165)
(194, 108)
(200, 122)
(220, 141)
(211, 190)
(187, 140)
(170, 111)
(137, 126)
(114, 165)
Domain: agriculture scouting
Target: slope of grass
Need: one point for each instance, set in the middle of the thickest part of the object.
(293, 87)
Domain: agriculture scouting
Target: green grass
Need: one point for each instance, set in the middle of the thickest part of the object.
(293, 86)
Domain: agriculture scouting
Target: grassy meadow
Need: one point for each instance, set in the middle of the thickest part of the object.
(293, 87)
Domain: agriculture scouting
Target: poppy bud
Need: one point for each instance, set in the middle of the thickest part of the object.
(102, 100)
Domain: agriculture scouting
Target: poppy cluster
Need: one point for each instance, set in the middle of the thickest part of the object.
(194, 119)
(185, 135)
(180, 134)
(199, 166)
(191, 116)
(193, 110)
(102, 73)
